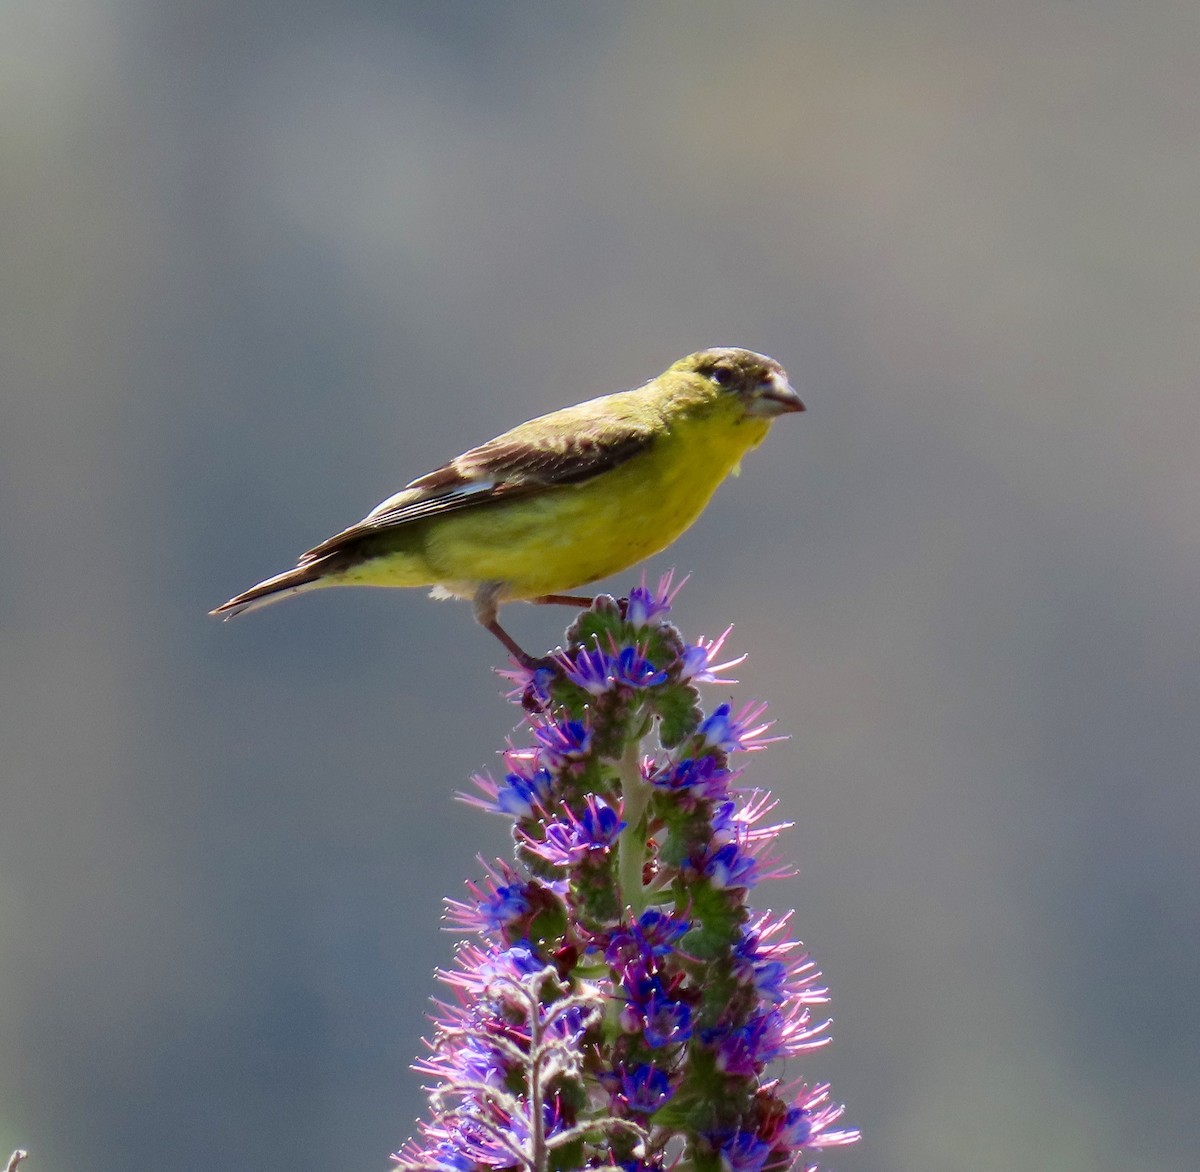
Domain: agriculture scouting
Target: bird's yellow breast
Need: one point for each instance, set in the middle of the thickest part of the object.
(574, 534)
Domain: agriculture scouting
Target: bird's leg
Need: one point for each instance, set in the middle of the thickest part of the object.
(487, 606)
(580, 600)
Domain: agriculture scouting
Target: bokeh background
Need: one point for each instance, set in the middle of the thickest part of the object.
(261, 264)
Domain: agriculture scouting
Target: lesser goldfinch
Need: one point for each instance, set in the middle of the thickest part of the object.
(561, 500)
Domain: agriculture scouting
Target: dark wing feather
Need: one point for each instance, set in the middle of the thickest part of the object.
(503, 469)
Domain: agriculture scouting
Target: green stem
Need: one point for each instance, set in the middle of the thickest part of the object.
(631, 848)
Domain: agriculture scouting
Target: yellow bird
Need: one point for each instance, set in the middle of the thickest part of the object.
(561, 500)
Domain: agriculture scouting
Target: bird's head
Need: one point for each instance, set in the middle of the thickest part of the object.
(759, 383)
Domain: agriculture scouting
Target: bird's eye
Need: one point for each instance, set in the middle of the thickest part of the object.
(721, 375)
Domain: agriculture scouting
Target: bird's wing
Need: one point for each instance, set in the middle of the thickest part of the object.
(524, 461)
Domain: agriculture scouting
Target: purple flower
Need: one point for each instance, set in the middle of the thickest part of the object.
(443, 1156)
(491, 973)
(763, 959)
(474, 1061)
(730, 733)
(646, 605)
(744, 1152)
(597, 672)
(736, 1050)
(698, 660)
(770, 1035)
(502, 900)
(496, 1136)
(661, 1021)
(497, 971)
(729, 866)
(735, 826)
(807, 1121)
(650, 1010)
(704, 777)
(641, 1091)
(665, 1022)
(562, 743)
(527, 788)
(532, 683)
(570, 839)
(654, 934)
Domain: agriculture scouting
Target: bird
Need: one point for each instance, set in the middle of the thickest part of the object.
(560, 500)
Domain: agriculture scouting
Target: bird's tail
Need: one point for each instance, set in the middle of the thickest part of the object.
(303, 577)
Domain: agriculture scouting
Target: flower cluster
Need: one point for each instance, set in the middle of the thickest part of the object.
(624, 1004)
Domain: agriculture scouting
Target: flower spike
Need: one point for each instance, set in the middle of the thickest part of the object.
(621, 1005)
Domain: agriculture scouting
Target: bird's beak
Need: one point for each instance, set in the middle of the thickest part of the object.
(774, 396)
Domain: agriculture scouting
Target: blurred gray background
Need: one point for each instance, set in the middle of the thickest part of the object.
(262, 264)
